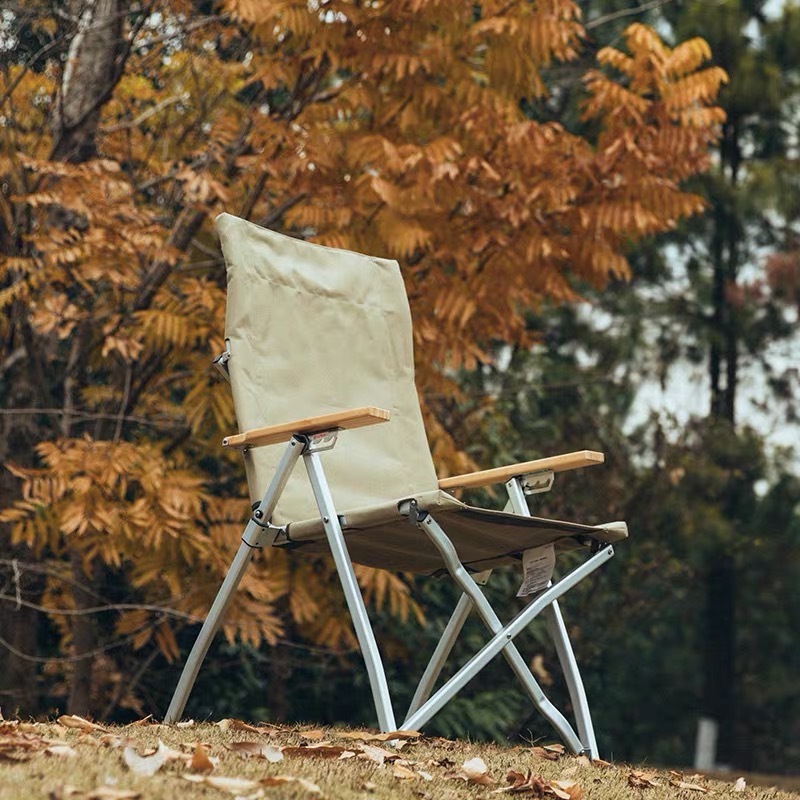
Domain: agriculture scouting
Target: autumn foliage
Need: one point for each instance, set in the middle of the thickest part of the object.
(390, 128)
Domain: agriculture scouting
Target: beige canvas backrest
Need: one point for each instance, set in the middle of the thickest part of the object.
(312, 330)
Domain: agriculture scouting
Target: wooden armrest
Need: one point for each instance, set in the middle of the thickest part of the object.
(339, 420)
(486, 477)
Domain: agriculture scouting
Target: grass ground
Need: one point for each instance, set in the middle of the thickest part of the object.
(73, 758)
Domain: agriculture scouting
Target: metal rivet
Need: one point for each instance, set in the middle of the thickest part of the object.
(325, 519)
(259, 513)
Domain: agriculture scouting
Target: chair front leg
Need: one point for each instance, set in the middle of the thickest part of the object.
(352, 592)
(258, 533)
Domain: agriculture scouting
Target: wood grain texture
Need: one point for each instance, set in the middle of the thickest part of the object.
(486, 477)
(339, 420)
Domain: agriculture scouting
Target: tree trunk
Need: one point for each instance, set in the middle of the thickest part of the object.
(84, 641)
(720, 652)
(95, 61)
(719, 691)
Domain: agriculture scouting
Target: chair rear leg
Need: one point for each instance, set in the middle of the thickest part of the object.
(558, 632)
(492, 621)
(441, 653)
(500, 641)
(572, 675)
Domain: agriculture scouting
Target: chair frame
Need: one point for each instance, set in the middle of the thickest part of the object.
(307, 439)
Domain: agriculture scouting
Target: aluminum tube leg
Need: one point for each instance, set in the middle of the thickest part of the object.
(352, 593)
(558, 632)
(577, 692)
(207, 633)
(250, 541)
(500, 640)
(441, 653)
(490, 618)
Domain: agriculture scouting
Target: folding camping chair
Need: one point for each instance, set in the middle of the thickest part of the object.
(318, 342)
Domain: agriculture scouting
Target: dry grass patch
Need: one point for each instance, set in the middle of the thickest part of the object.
(73, 758)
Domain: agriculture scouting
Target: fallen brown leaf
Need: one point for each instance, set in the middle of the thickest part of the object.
(73, 721)
(24, 741)
(15, 758)
(257, 750)
(110, 793)
(200, 762)
(692, 787)
(403, 773)
(67, 792)
(315, 735)
(566, 790)
(377, 754)
(61, 750)
(441, 762)
(474, 770)
(277, 780)
(370, 736)
(440, 741)
(642, 780)
(740, 785)
(238, 725)
(232, 785)
(148, 765)
(314, 751)
(113, 741)
(548, 752)
(538, 786)
(524, 783)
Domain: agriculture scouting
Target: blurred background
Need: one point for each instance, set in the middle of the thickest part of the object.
(596, 257)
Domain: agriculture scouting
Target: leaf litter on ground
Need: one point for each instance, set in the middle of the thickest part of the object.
(150, 760)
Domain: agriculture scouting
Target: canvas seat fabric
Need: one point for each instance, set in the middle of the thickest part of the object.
(383, 537)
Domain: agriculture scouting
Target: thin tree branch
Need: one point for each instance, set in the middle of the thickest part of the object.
(277, 213)
(82, 612)
(123, 406)
(134, 123)
(625, 12)
(88, 415)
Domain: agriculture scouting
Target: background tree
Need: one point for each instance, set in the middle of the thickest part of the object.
(696, 485)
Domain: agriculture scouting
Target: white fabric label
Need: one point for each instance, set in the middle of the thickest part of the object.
(538, 564)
